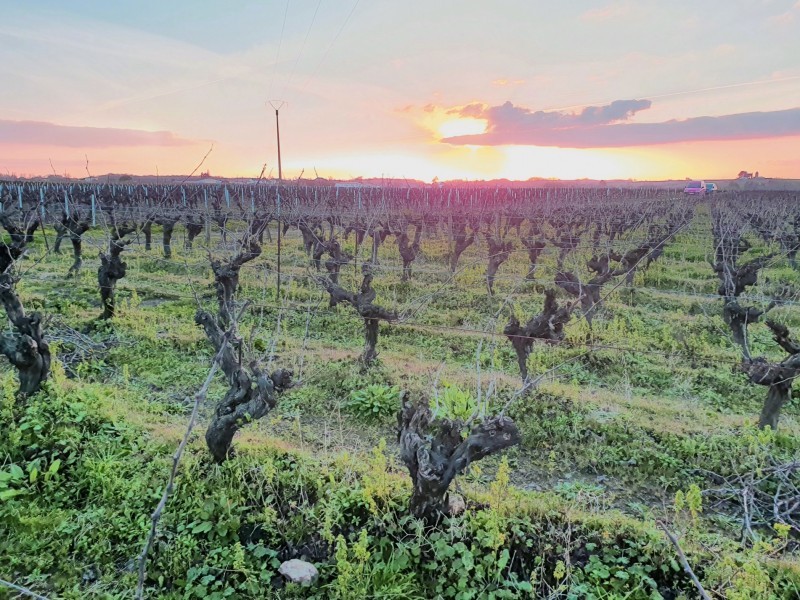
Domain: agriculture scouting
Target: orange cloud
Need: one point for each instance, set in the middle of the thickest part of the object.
(507, 82)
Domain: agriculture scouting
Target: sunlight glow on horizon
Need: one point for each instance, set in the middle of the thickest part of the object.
(426, 160)
(478, 163)
(462, 126)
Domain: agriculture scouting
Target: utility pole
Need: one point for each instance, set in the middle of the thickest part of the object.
(278, 134)
(278, 190)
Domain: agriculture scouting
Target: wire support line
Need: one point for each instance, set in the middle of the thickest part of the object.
(700, 236)
(403, 323)
(395, 267)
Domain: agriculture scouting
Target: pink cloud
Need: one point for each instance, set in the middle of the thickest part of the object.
(40, 133)
(605, 13)
(786, 18)
(608, 126)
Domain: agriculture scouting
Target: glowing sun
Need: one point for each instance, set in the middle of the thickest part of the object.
(462, 126)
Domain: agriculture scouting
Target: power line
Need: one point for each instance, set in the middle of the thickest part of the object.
(302, 47)
(687, 92)
(328, 49)
(280, 43)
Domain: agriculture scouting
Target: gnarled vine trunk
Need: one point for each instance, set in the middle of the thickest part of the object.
(25, 346)
(409, 251)
(252, 392)
(76, 227)
(147, 229)
(588, 294)
(21, 235)
(194, 227)
(435, 450)
(226, 278)
(779, 377)
(547, 326)
(251, 395)
(320, 247)
(112, 269)
(462, 240)
(499, 251)
(167, 223)
(363, 303)
(310, 237)
(778, 396)
(338, 258)
(535, 248)
(61, 233)
(738, 318)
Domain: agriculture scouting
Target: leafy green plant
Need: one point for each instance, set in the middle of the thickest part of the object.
(10, 482)
(374, 402)
(453, 402)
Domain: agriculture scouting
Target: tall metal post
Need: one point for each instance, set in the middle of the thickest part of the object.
(208, 217)
(278, 132)
(278, 190)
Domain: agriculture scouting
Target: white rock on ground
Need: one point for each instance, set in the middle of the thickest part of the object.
(299, 571)
(455, 504)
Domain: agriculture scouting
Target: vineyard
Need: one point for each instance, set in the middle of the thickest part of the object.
(439, 391)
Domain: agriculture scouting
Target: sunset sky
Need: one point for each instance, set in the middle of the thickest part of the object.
(448, 88)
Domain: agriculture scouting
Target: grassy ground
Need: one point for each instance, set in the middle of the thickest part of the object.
(646, 404)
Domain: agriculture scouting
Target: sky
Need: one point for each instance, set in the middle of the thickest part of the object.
(451, 89)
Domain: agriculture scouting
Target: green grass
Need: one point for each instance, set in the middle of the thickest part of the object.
(609, 440)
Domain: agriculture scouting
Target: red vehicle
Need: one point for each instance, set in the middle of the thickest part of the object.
(695, 188)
